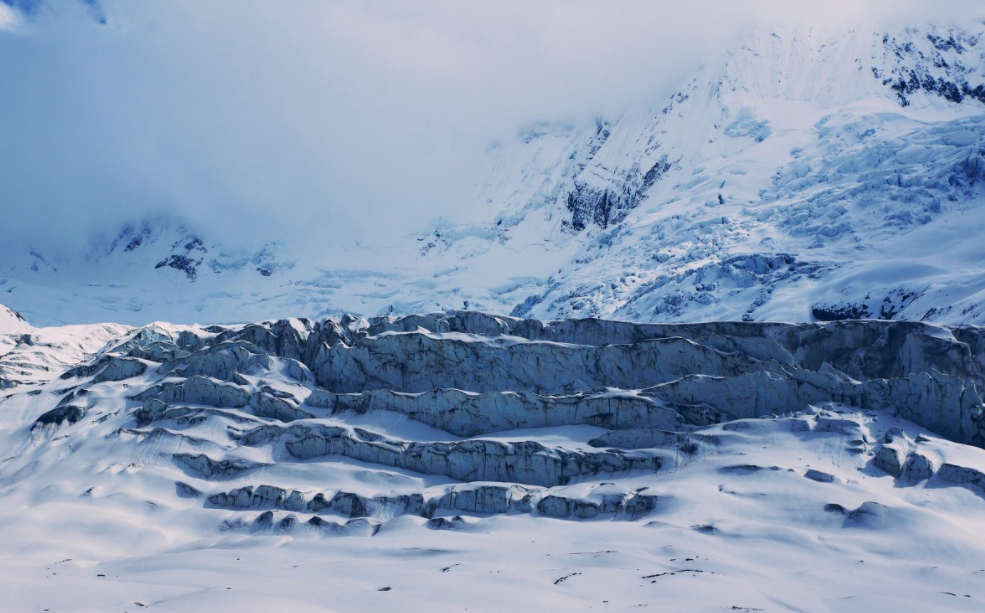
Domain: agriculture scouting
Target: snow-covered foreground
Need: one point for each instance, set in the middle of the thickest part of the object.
(312, 466)
(721, 537)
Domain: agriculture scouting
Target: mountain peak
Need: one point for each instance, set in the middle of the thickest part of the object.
(11, 321)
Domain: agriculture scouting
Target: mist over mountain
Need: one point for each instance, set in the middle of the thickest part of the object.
(492, 306)
(732, 169)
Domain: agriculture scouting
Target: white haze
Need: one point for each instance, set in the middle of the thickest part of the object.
(322, 121)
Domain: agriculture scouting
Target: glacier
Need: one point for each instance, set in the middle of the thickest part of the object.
(469, 443)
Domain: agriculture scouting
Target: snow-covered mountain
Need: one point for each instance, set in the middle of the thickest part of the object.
(810, 174)
(456, 461)
(143, 271)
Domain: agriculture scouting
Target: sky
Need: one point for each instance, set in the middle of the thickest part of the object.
(320, 121)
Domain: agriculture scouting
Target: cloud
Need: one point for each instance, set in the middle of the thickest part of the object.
(320, 121)
(8, 17)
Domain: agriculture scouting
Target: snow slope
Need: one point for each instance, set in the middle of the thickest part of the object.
(181, 468)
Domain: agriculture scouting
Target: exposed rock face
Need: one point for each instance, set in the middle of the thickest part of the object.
(221, 361)
(485, 499)
(418, 362)
(470, 373)
(644, 438)
(964, 476)
(286, 394)
(891, 460)
(261, 497)
(918, 467)
(931, 375)
(198, 390)
(204, 466)
(525, 462)
(605, 501)
(819, 476)
(121, 369)
(469, 413)
(69, 414)
(150, 344)
(595, 199)
(909, 462)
